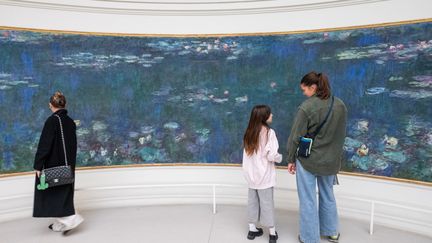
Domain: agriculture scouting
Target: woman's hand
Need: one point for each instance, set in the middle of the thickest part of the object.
(291, 168)
(38, 173)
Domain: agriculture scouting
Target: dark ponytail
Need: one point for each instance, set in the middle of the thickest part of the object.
(321, 81)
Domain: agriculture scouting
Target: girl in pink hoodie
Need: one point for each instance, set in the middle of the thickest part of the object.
(259, 157)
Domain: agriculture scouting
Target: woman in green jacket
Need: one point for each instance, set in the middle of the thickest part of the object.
(323, 163)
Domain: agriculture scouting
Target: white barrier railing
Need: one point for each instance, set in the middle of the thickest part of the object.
(214, 186)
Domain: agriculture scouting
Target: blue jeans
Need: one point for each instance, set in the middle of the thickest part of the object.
(314, 220)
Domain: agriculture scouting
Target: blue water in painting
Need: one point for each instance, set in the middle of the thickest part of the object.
(168, 100)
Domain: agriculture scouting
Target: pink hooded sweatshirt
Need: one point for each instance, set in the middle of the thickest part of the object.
(259, 168)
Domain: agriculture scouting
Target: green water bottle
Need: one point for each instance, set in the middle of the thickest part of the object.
(42, 184)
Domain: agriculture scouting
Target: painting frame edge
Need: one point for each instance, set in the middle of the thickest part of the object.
(84, 168)
(354, 27)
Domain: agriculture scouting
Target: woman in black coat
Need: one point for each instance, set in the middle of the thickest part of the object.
(56, 202)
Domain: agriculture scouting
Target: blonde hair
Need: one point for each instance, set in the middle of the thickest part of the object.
(58, 100)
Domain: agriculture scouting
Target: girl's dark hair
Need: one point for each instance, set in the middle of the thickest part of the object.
(258, 118)
(321, 81)
(58, 100)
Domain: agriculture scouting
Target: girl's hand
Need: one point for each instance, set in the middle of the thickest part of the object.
(38, 173)
(291, 168)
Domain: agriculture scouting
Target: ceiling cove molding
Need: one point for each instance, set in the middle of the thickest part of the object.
(197, 2)
(184, 8)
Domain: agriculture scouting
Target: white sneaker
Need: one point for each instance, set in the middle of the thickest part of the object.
(75, 221)
(57, 226)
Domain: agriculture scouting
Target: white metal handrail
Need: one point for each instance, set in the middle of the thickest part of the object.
(213, 186)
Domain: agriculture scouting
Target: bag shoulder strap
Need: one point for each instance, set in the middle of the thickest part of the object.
(325, 120)
(63, 140)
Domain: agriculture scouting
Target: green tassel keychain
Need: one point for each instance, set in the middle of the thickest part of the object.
(42, 185)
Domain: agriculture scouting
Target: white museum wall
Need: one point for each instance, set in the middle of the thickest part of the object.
(399, 205)
(248, 17)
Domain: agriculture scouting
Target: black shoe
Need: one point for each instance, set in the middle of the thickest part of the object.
(50, 226)
(273, 238)
(252, 234)
(300, 239)
(333, 238)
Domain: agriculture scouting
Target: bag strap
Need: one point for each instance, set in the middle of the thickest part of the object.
(325, 120)
(63, 140)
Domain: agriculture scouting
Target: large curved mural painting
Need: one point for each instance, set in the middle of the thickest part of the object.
(142, 99)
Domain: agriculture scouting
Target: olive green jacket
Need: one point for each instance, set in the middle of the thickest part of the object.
(327, 148)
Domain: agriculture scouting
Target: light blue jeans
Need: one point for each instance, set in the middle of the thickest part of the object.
(314, 220)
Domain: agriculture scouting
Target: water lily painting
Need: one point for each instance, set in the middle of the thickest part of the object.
(179, 99)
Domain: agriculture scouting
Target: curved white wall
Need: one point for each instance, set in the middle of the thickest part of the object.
(206, 17)
(406, 206)
(399, 205)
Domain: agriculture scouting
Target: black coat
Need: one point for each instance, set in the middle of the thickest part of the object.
(56, 201)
